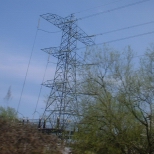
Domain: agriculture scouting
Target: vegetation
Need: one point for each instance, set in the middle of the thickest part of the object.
(16, 138)
(8, 113)
(116, 117)
(115, 114)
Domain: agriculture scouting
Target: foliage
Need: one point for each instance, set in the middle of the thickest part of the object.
(16, 138)
(117, 117)
(9, 113)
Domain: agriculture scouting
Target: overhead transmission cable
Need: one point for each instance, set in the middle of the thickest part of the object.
(107, 11)
(95, 7)
(97, 63)
(120, 39)
(124, 38)
(124, 28)
(41, 87)
(49, 31)
(114, 9)
(28, 66)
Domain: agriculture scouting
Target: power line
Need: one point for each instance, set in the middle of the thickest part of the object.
(124, 28)
(27, 71)
(114, 9)
(96, 7)
(49, 31)
(129, 37)
(28, 66)
(53, 63)
(107, 11)
(97, 63)
(41, 87)
(124, 38)
(45, 30)
(112, 31)
(121, 39)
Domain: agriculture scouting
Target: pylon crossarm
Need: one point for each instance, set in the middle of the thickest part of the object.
(52, 51)
(83, 37)
(54, 19)
(64, 25)
(48, 83)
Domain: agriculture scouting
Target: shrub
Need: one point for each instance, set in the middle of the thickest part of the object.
(16, 138)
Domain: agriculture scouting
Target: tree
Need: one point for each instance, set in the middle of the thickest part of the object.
(118, 115)
(9, 113)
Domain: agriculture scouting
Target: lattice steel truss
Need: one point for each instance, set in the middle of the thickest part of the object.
(61, 107)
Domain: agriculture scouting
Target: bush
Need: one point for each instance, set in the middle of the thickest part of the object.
(16, 138)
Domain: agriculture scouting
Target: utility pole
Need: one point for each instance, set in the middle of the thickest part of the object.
(61, 106)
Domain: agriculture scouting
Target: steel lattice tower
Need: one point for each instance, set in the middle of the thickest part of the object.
(62, 102)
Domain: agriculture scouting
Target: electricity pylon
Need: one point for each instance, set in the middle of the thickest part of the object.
(61, 106)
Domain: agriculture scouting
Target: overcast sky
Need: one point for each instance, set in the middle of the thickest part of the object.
(18, 26)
